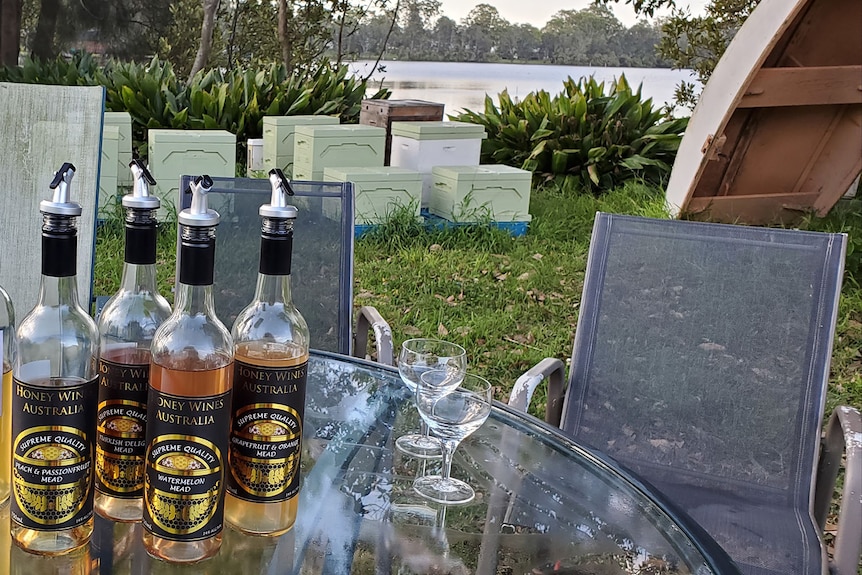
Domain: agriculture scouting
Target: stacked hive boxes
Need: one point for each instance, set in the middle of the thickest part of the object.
(343, 146)
(421, 146)
(379, 192)
(108, 169)
(174, 153)
(482, 193)
(123, 122)
(279, 136)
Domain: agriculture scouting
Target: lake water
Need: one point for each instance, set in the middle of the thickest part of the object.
(460, 85)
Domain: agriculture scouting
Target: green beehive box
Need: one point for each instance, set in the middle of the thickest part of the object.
(278, 138)
(108, 168)
(123, 121)
(348, 145)
(174, 153)
(477, 193)
(379, 192)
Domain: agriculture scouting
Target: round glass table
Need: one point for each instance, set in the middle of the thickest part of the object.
(544, 505)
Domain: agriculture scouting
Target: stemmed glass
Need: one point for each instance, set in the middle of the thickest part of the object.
(420, 355)
(451, 417)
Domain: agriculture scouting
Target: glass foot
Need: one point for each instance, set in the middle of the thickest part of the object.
(421, 446)
(436, 488)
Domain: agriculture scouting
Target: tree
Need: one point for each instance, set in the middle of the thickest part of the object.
(10, 32)
(210, 7)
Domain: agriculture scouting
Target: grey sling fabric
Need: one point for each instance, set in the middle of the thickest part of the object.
(322, 267)
(700, 361)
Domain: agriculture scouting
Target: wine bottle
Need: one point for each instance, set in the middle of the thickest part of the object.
(7, 359)
(126, 328)
(270, 367)
(188, 406)
(55, 394)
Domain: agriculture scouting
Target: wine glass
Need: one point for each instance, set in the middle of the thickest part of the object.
(418, 356)
(451, 417)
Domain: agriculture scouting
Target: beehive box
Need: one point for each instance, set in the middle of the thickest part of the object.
(174, 153)
(421, 146)
(108, 168)
(346, 146)
(123, 122)
(479, 193)
(278, 138)
(382, 113)
(379, 192)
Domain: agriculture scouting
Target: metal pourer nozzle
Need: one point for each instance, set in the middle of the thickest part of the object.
(277, 206)
(61, 203)
(199, 215)
(140, 197)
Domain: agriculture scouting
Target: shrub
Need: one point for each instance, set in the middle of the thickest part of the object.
(235, 101)
(590, 139)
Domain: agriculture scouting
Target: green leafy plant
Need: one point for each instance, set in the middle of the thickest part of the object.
(589, 138)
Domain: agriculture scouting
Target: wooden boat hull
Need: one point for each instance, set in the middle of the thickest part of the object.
(777, 131)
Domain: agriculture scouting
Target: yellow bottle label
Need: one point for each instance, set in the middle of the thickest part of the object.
(120, 435)
(266, 432)
(184, 479)
(54, 435)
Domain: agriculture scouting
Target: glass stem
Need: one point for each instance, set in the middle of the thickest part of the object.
(448, 449)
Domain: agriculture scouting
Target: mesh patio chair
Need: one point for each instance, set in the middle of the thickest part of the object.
(700, 362)
(322, 274)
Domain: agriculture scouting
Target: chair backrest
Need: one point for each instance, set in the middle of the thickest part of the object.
(43, 127)
(701, 359)
(322, 270)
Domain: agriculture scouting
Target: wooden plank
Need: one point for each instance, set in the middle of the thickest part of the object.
(753, 209)
(774, 87)
(44, 126)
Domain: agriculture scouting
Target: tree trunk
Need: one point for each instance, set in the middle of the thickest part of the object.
(43, 40)
(284, 39)
(206, 45)
(10, 32)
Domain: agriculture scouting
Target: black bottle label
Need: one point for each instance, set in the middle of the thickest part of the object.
(122, 419)
(185, 465)
(54, 431)
(266, 432)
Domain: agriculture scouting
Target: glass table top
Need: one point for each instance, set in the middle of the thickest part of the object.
(543, 505)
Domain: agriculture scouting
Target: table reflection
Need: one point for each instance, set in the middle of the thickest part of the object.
(542, 505)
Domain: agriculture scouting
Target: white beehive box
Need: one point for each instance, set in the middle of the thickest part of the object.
(108, 169)
(478, 193)
(421, 146)
(347, 145)
(123, 122)
(174, 153)
(378, 192)
(279, 133)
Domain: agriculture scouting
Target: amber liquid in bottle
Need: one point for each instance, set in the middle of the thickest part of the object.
(6, 435)
(179, 381)
(265, 518)
(113, 507)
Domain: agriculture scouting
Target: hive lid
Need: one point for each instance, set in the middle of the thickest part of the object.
(482, 172)
(438, 130)
(368, 174)
(301, 120)
(777, 130)
(342, 131)
(185, 136)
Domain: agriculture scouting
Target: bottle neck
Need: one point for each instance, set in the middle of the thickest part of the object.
(194, 299)
(273, 289)
(138, 278)
(56, 291)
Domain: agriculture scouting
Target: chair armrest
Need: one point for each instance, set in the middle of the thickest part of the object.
(843, 436)
(368, 319)
(554, 371)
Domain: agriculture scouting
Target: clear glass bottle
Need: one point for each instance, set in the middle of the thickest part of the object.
(55, 395)
(7, 360)
(188, 407)
(126, 328)
(270, 367)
